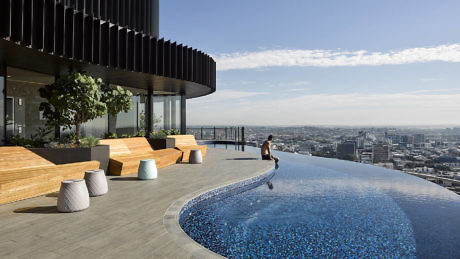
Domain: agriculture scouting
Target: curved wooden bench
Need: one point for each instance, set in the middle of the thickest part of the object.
(185, 143)
(24, 174)
(126, 153)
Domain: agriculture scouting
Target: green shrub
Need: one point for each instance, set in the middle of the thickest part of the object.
(73, 100)
(139, 134)
(89, 142)
(68, 138)
(174, 132)
(110, 135)
(39, 139)
(158, 135)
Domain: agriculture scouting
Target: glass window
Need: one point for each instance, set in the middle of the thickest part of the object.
(2, 106)
(132, 121)
(23, 117)
(96, 128)
(166, 111)
(175, 112)
(158, 113)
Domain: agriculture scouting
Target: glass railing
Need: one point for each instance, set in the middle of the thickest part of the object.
(233, 134)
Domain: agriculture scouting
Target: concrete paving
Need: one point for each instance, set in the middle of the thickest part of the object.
(127, 222)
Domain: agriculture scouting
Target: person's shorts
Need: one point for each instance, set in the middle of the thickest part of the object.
(266, 157)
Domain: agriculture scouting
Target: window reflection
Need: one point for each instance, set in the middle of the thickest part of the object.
(23, 118)
(134, 120)
(167, 113)
(2, 106)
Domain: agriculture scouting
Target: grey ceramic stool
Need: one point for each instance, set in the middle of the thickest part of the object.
(96, 182)
(73, 196)
(147, 170)
(195, 156)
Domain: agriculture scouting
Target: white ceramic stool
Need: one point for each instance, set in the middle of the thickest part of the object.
(96, 182)
(195, 156)
(73, 196)
(147, 170)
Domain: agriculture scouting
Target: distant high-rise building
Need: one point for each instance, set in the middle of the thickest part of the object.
(380, 153)
(419, 139)
(346, 150)
(407, 139)
(395, 139)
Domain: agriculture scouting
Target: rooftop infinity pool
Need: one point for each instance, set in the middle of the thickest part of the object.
(317, 207)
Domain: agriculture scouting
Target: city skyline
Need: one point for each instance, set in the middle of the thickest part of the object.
(357, 64)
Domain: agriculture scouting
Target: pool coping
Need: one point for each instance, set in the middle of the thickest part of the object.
(173, 213)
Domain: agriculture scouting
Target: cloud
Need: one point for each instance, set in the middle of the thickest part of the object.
(333, 109)
(224, 95)
(297, 84)
(429, 79)
(330, 58)
(297, 89)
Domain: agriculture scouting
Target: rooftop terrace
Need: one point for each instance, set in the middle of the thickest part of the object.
(127, 221)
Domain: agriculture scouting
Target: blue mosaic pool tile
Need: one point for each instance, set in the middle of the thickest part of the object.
(315, 207)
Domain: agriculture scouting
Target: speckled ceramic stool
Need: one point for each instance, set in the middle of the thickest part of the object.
(96, 182)
(195, 156)
(73, 196)
(147, 170)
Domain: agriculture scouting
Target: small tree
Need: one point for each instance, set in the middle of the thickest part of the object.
(73, 100)
(117, 99)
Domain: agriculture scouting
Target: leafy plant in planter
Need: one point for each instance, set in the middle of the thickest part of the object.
(89, 142)
(73, 100)
(162, 134)
(110, 135)
(174, 132)
(158, 135)
(78, 98)
(117, 99)
(39, 139)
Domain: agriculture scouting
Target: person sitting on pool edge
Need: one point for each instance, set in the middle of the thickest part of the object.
(265, 151)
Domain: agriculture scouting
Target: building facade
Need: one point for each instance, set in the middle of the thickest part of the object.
(380, 153)
(347, 150)
(116, 40)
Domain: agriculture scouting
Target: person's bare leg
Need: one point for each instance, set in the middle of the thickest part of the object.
(276, 159)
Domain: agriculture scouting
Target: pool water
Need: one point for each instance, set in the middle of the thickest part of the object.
(316, 207)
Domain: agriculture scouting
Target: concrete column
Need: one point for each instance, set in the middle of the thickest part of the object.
(183, 115)
(3, 78)
(173, 112)
(57, 128)
(167, 112)
(149, 111)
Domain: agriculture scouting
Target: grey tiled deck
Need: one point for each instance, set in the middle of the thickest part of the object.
(125, 223)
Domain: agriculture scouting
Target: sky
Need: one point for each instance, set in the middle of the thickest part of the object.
(323, 62)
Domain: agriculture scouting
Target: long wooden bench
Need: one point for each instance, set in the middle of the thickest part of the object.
(126, 153)
(185, 143)
(24, 174)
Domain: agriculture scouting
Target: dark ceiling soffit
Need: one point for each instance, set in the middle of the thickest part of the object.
(26, 58)
(116, 54)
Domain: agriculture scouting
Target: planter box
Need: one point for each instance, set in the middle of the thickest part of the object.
(59, 156)
(161, 143)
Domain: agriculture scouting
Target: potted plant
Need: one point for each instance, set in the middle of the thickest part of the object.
(159, 139)
(117, 100)
(71, 101)
(88, 150)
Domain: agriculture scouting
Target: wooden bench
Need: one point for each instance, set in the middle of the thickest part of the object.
(185, 143)
(24, 174)
(126, 153)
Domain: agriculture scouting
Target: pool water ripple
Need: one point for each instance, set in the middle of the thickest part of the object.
(307, 218)
(313, 209)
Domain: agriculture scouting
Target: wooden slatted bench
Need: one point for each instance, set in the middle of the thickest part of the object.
(185, 143)
(24, 174)
(126, 153)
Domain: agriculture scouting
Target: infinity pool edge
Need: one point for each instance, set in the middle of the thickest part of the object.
(171, 218)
